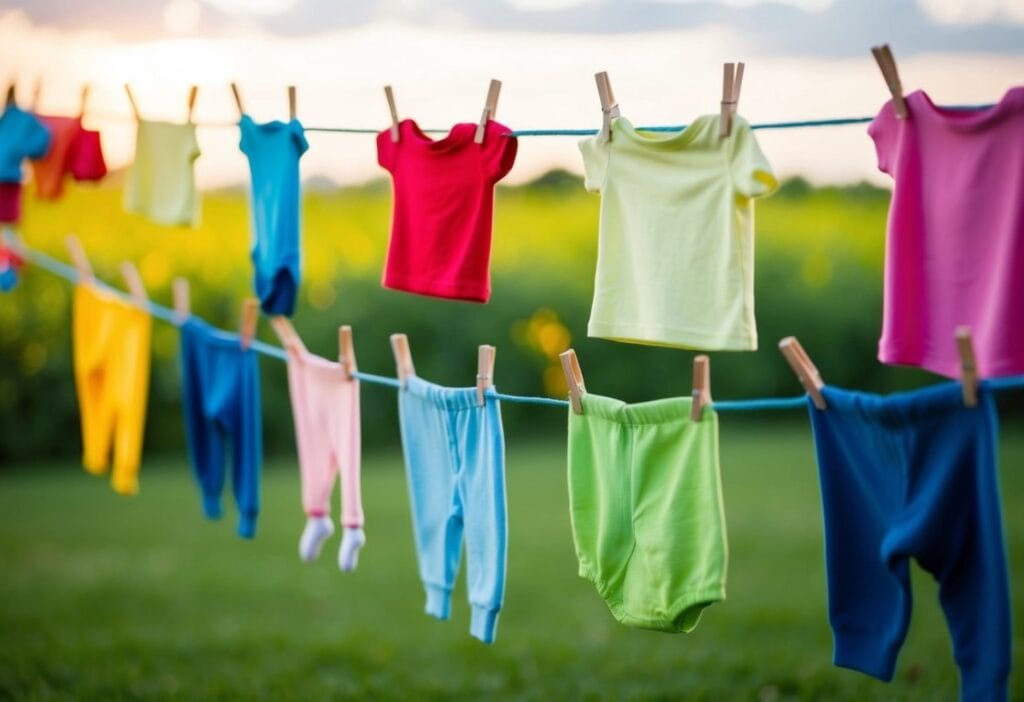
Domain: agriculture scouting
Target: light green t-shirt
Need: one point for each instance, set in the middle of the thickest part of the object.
(160, 183)
(675, 261)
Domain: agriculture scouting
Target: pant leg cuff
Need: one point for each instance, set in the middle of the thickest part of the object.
(982, 688)
(483, 623)
(867, 652)
(125, 486)
(247, 525)
(211, 507)
(439, 601)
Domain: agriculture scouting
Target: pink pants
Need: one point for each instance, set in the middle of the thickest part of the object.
(326, 410)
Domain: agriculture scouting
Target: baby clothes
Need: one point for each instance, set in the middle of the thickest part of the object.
(914, 474)
(111, 343)
(10, 203)
(160, 184)
(326, 410)
(10, 263)
(443, 210)
(274, 150)
(675, 256)
(221, 398)
(74, 150)
(22, 136)
(455, 464)
(645, 500)
(953, 251)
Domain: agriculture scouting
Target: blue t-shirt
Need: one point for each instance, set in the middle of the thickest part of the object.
(21, 136)
(274, 150)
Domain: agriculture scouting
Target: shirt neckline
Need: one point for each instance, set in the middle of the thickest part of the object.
(966, 119)
(655, 140)
(455, 137)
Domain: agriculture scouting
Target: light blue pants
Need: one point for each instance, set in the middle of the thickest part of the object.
(455, 465)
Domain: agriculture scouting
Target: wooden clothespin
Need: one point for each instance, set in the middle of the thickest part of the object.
(484, 371)
(250, 317)
(490, 109)
(574, 377)
(732, 81)
(79, 259)
(180, 293)
(346, 352)
(390, 95)
(192, 94)
(403, 357)
(83, 101)
(804, 368)
(291, 102)
(238, 99)
(290, 338)
(131, 99)
(12, 94)
(968, 366)
(609, 106)
(134, 282)
(887, 64)
(701, 386)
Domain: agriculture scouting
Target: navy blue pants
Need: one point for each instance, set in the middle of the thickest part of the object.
(221, 395)
(914, 474)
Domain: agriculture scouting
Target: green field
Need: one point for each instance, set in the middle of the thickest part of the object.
(109, 598)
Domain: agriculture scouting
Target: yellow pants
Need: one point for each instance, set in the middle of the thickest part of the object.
(111, 341)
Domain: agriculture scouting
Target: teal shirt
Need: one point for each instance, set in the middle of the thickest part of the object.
(21, 136)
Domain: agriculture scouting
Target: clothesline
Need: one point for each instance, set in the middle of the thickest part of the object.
(831, 122)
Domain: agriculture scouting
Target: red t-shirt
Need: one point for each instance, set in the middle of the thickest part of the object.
(443, 208)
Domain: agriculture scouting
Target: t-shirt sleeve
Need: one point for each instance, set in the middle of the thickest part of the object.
(595, 162)
(301, 144)
(499, 152)
(751, 172)
(37, 138)
(387, 150)
(883, 132)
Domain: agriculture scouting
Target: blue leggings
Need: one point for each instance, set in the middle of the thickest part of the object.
(914, 474)
(221, 393)
(455, 464)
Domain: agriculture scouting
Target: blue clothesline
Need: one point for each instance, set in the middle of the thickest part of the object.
(168, 315)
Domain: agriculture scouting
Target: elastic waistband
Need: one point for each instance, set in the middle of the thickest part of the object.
(445, 398)
(672, 409)
(317, 364)
(903, 407)
(211, 336)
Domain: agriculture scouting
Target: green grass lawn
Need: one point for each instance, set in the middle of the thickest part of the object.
(107, 598)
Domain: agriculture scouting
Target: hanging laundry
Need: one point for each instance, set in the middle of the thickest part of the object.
(273, 150)
(645, 501)
(953, 255)
(326, 409)
(111, 347)
(221, 398)
(443, 208)
(21, 136)
(10, 264)
(455, 464)
(160, 183)
(914, 474)
(675, 257)
(74, 150)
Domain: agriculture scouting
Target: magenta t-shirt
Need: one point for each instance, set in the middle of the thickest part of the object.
(954, 254)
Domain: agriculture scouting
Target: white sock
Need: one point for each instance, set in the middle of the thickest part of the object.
(348, 555)
(318, 530)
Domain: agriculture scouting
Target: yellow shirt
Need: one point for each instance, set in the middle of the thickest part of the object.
(160, 183)
(675, 262)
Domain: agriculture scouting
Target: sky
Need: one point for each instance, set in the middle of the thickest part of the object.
(805, 59)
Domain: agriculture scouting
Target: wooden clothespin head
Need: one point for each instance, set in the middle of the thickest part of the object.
(346, 351)
(732, 81)
(701, 386)
(574, 377)
(389, 94)
(182, 303)
(83, 101)
(490, 109)
(609, 106)
(250, 317)
(804, 368)
(887, 64)
(290, 339)
(133, 281)
(291, 102)
(484, 372)
(193, 92)
(403, 357)
(131, 100)
(79, 260)
(968, 366)
(12, 94)
(238, 99)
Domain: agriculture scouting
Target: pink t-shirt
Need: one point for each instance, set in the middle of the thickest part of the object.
(954, 254)
(443, 210)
